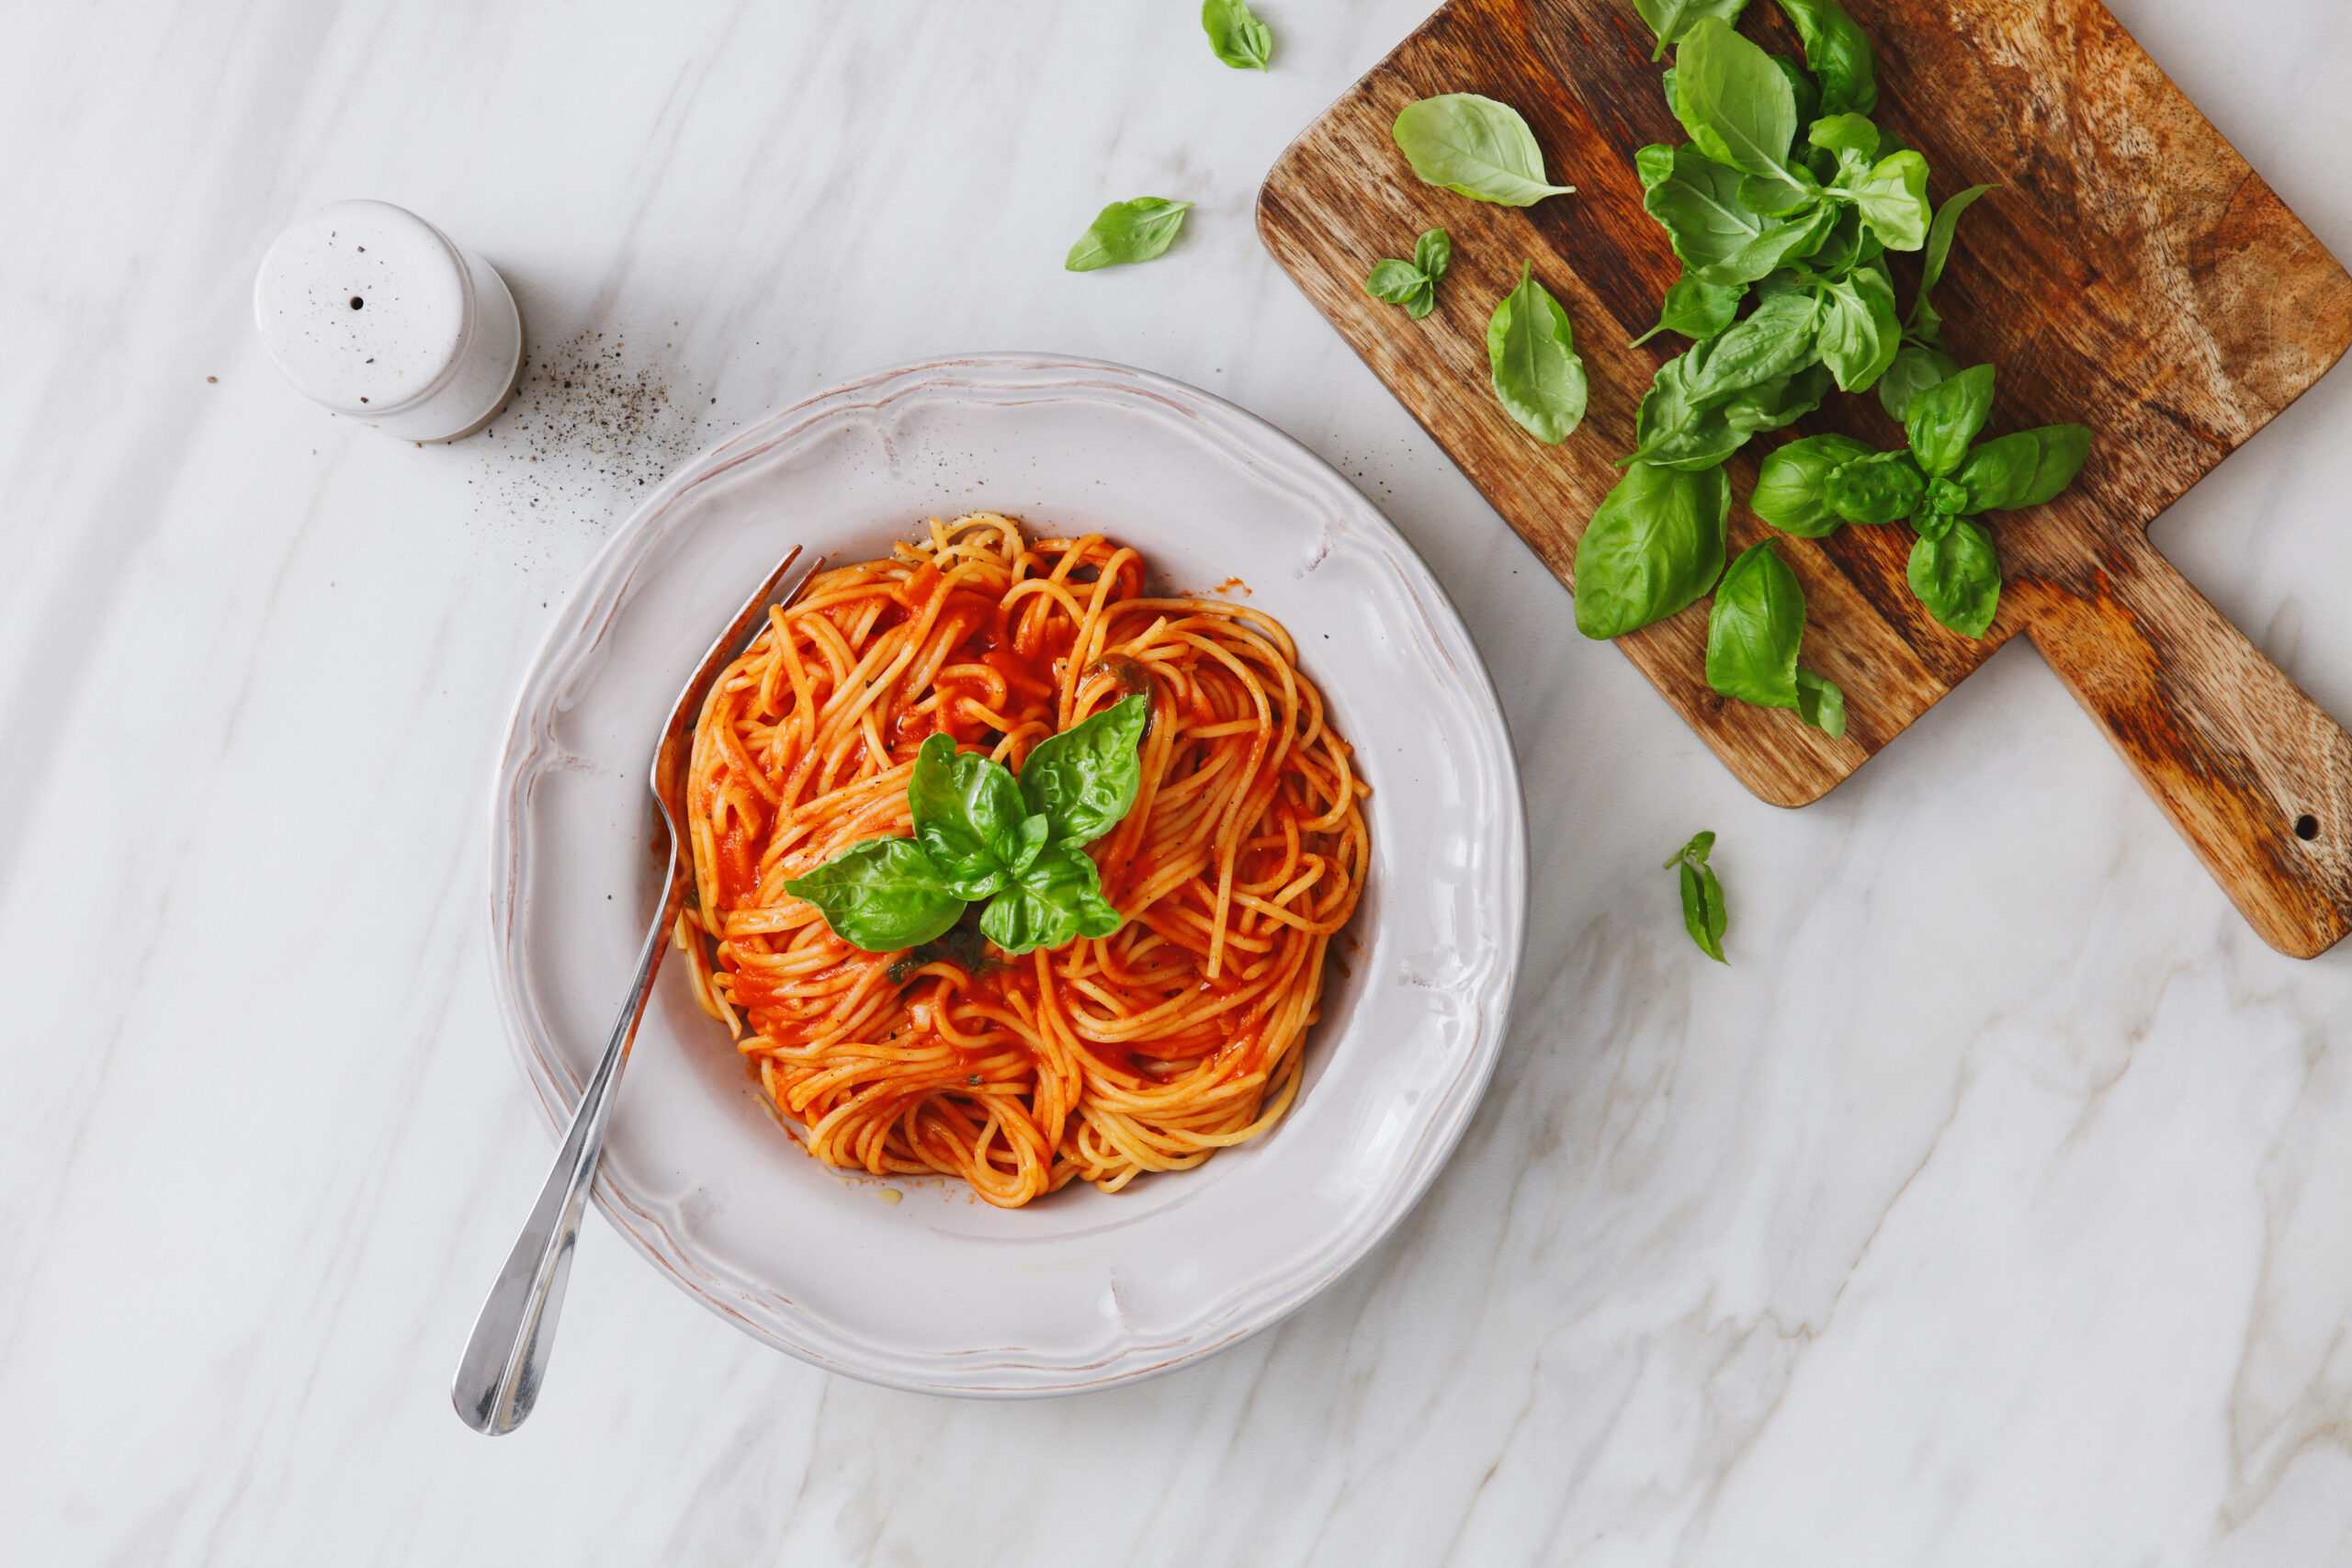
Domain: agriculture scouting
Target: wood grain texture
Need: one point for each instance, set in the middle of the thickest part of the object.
(2132, 274)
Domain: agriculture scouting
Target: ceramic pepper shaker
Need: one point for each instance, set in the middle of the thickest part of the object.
(377, 314)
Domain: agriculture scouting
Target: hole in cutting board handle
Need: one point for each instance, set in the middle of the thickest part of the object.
(2307, 826)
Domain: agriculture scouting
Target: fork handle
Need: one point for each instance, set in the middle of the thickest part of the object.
(498, 1378)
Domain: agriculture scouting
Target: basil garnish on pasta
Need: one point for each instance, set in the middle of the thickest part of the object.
(981, 833)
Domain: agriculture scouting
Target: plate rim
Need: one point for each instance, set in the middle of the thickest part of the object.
(1134, 1358)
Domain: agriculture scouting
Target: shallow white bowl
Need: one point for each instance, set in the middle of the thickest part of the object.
(939, 1292)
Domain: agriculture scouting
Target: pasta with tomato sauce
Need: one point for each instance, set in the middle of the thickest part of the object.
(1177, 1034)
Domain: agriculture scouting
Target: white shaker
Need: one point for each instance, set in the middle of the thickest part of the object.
(375, 313)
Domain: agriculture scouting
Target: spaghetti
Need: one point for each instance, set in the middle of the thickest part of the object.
(1150, 1049)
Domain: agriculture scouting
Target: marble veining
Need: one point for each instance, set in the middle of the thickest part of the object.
(1989, 1208)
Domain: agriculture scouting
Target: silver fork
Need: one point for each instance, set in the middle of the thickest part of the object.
(498, 1379)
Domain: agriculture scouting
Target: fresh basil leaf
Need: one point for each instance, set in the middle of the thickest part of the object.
(1701, 844)
(1807, 95)
(1877, 489)
(1942, 232)
(1838, 53)
(1957, 577)
(1655, 544)
(1916, 367)
(882, 894)
(1779, 198)
(1925, 324)
(1673, 433)
(1734, 101)
(967, 811)
(1084, 780)
(1894, 199)
(1775, 339)
(1820, 704)
(1237, 36)
(1703, 908)
(1788, 239)
(1696, 200)
(1401, 283)
(1703, 896)
(1533, 359)
(1433, 253)
(1932, 523)
(1946, 417)
(1696, 308)
(1670, 18)
(1754, 629)
(1793, 488)
(1945, 498)
(1055, 900)
(1860, 333)
(1846, 133)
(1475, 147)
(2023, 469)
(1128, 231)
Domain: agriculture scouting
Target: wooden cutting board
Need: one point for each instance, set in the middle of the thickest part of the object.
(2133, 275)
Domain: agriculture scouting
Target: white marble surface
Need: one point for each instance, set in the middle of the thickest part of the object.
(1991, 1208)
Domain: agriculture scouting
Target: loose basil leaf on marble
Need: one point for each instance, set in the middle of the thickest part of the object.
(882, 894)
(2023, 469)
(1792, 489)
(1734, 101)
(1128, 231)
(1838, 53)
(969, 818)
(1696, 308)
(1058, 899)
(1946, 417)
(1894, 199)
(1957, 577)
(1703, 915)
(1433, 253)
(1402, 283)
(1237, 36)
(1475, 147)
(1925, 323)
(1916, 367)
(1820, 704)
(1083, 780)
(1655, 544)
(1670, 18)
(1876, 489)
(1533, 363)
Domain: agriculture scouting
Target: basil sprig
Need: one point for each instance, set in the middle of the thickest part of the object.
(1128, 231)
(1533, 359)
(1703, 915)
(981, 833)
(1475, 147)
(1236, 34)
(1940, 480)
(1413, 283)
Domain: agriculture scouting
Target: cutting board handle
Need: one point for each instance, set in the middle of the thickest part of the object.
(2254, 775)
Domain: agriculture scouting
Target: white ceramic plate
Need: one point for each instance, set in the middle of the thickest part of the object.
(938, 1291)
